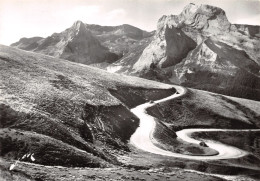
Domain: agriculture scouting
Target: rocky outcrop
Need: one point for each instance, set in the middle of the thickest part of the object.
(206, 18)
(178, 34)
(200, 48)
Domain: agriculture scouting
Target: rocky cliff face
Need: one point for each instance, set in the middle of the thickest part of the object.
(200, 48)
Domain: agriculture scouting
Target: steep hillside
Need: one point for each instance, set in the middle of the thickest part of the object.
(217, 67)
(202, 109)
(205, 109)
(73, 115)
(200, 48)
(76, 44)
(70, 109)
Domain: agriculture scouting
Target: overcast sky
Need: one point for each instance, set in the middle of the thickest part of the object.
(28, 18)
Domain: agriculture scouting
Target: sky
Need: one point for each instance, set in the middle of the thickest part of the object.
(29, 18)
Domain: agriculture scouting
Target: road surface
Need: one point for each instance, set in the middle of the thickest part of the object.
(142, 138)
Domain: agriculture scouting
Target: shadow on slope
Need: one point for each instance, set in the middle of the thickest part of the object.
(205, 109)
(70, 103)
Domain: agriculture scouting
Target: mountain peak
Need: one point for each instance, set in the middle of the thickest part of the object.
(205, 18)
(79, 25)
(190, 9)
(204, 9)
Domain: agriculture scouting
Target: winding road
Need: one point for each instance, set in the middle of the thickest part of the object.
(143, 136)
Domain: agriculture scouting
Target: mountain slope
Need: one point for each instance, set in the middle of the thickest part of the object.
(119, 39)
(125, 40)
(88, 43)
(76, 44)
(61, 104)
(70, 114)
(217, 67)
(200, 48)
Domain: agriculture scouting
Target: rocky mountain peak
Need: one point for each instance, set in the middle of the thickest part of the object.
(79, 25)
(190, 9)
(200, 48)
(207, 10)
(205, 18)
(176, 35)
(76, 44)
(79, 29)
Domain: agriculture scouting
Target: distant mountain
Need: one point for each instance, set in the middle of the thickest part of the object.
(127, 41)
(75, 43)
(87, 44)
(178, 34)
(200, 48)
(118, 38)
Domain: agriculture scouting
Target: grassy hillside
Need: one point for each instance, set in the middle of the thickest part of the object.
(63, 103)
(248, 141)
(74, 115)
(204, 109)
(201, 109)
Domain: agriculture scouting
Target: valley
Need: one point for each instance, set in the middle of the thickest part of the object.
(96, 134)
(120, 103)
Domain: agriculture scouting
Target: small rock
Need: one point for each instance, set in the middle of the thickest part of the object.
(203, 144)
